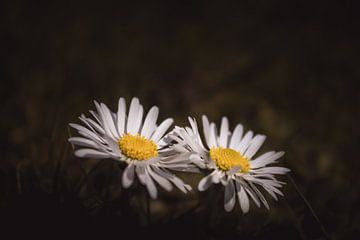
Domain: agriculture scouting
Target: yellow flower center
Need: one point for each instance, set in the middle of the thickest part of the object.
(227, 158)
(137, 147)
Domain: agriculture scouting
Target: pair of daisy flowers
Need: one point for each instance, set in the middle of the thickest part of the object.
(151, 153)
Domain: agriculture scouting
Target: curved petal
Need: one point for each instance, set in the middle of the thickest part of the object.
(140, 172)
(244, 143)
(91, 153)
(252, 194)
(86, 132)
(105, 119)
(197, 160)
(150, 122)
(163, 182)
(95, 127)
(260, 195)
(272, 170)
(160, 131)
(236, 136)
(175, 180)
(150, 185)
(206, 129)
(109, 121)
(133, 112)
(128, 176)
(193, 144)
(121, 116)
(255, 144)
(80, 141)
(138, 120)
(205, 182)
(229, 199)
(243, 198)
(113, 145)
(212, 136)
(216, 177)
(224, 132)
(266, 159)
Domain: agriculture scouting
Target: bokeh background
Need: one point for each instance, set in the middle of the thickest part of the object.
(286, 69)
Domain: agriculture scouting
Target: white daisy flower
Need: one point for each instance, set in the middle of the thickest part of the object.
(139, 144)
(230, 158)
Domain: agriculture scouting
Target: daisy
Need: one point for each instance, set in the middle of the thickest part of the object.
(139, 144)
(230, 159)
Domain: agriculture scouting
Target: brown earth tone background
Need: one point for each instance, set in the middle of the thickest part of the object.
(289, 70)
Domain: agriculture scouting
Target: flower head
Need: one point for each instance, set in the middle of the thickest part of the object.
(140, 144)
(230, 159)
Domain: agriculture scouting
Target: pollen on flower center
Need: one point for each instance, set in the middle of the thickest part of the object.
(137, 147)
(227, 158)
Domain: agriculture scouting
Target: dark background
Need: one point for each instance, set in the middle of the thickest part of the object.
(286, 69)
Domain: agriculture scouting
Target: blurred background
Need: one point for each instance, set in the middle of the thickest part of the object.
(288, 70)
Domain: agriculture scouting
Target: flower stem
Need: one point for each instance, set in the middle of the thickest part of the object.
(307, 204)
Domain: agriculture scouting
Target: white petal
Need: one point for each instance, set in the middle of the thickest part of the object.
(109, 121)
(190, 141)
(270, 186)
(113, 145)
(205, 182)
(150, 122)
(255, 144)
(179, 148)
(133, 112)
(212, 136)
(251, 193)
(121, 116)
(217, 177)
(161, 130)
(265, 159)
(184, 168)
(90, 153)
(196, 132)
(272, 170)
(93, 124)
(197, 160)
(206, 129)
(211, 163)
(178, 158)
(164, 142)
(163, 182)
(140, 172)
(86, 132)
(260, 195)
(175, 180)
(96, 116)
(233, 170)
(244, 143)
(150, 185)
(83, 119)
(138, 119)
(274, 189)
(229, 199)
(128, 176)
(103, 119)
(189, 131)
(236, 136)
(193, 125)
(224, 132)
(243, 198)
(272, 194)
(80, 141)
